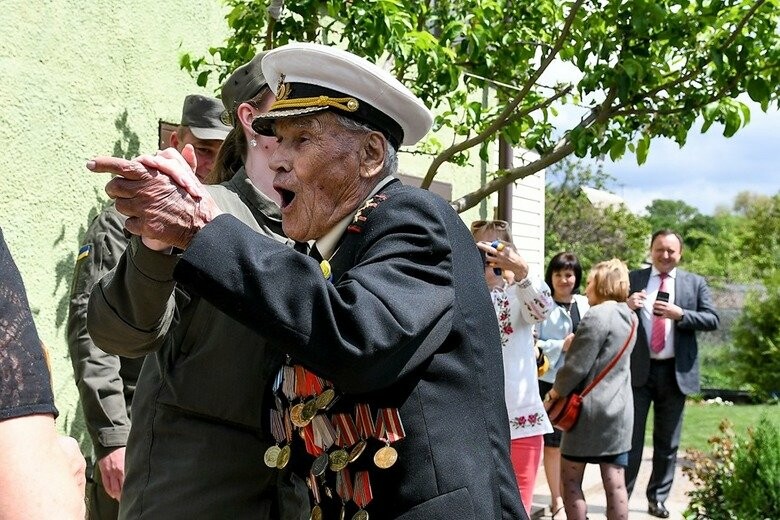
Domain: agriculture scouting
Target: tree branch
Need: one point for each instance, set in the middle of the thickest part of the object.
(448, 154)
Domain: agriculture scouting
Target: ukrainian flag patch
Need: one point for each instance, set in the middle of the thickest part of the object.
(84, 252)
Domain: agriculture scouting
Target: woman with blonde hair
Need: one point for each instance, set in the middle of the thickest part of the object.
(602, 434)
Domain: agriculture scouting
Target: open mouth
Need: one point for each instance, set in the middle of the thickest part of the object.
(287, 196)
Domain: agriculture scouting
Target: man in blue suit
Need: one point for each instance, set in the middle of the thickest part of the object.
(665, 362)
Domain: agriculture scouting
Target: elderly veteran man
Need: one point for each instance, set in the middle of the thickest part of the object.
(394, 387)
(198, 437)
(106, 382)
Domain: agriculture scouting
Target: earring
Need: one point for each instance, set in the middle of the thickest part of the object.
(253, 142)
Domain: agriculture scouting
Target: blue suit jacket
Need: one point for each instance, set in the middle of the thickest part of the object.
(693, 295)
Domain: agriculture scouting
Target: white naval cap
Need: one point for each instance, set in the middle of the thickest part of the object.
(309, 77)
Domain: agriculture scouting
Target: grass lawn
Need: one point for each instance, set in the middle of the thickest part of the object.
(701, 422)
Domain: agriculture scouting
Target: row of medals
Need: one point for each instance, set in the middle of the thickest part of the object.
(301, 415)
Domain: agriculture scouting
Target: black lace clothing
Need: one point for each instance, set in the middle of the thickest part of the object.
(25, 382)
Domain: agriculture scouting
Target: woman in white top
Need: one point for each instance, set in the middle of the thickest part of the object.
(554, 335)
(520, 302)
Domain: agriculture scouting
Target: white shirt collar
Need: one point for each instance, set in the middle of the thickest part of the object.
(656, 272)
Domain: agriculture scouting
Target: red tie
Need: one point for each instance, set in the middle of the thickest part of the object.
(658, 332)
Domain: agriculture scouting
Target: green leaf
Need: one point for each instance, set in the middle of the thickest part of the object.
(758, 89)
(203, 78)
(617, 149)
(642, 147)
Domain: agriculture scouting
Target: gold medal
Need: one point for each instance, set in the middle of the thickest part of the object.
(323, 400)
(316, 513)
(284, 457)
(385, 457)
(308, 411)
(360, 515)
(296, 416)
(357, 450)
(320, 464)
(339, 460)
(271, 456)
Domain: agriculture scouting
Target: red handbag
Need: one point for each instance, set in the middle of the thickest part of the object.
(565, 411)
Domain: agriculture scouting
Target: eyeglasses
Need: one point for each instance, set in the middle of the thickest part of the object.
(496, 224)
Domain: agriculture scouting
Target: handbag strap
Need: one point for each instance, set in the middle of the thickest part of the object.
(614, 361)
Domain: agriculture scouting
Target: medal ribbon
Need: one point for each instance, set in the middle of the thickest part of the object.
(288, 426)
(314, 384)
(288, 382)
(344, 485)
(277, 426)
(347, 434)
(300, 381)
(324, 432)
(363, 494)
(315, 488)
(308, 439)
(365, 425)
(389, 427)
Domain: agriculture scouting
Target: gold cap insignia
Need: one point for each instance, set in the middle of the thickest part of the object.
(283, 90)
(226, 118)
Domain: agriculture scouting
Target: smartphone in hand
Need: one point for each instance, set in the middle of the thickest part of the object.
(662, 296)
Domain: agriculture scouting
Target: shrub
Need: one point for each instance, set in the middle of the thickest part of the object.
(740, 479)
(756, 336)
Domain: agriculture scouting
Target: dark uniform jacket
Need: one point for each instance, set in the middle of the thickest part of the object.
(198, 436)
(106, 382)
(406, 322)
(692, 294)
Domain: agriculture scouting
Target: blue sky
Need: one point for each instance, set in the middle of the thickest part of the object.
(709, 170)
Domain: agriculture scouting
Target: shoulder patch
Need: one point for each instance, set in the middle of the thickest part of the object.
(84, 252)
(356, 226)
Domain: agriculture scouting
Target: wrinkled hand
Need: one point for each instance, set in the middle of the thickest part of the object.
(637, 300)
(75, 460)
(112, 472)
(160, 194)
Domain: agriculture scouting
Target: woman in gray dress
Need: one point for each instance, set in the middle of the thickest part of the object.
(602, 434)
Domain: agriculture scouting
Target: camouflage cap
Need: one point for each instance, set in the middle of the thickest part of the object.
(202, 115)
(244, 84)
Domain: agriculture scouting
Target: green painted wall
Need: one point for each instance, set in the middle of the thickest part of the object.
(80, 78)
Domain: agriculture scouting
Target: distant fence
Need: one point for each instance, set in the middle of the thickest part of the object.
(729, 300)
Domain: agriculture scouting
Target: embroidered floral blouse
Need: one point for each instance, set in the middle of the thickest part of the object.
(518, 307)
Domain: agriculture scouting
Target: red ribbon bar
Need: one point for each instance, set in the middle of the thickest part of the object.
(288, 426)
(308, 439)
(389, 427)
(300, 381)
(314, 384)
(347, 431)
(365, 425)
(363, 494)
(344, 485)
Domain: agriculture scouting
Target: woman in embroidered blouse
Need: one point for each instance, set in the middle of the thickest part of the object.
(554, 335)
(520, 302)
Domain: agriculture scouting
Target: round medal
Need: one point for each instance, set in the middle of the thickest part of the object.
(295, 416)
(361, 515)
(309, 411)
(339, 460)
(324, 399)
(385, 457)
(320, 464)
(357, 450)
(284, 457)
(316, 513)
(271, 456)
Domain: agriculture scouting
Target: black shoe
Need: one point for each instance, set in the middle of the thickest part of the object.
(657, 509)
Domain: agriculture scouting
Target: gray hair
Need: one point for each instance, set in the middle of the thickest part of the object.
(390, 165)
